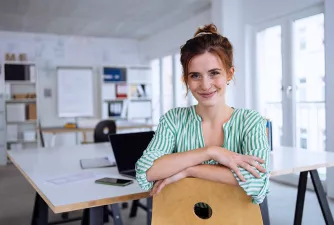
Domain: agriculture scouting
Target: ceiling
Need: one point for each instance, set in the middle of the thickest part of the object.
(136, 19)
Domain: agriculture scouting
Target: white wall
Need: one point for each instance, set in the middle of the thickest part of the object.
(170, 40)
(49, 51)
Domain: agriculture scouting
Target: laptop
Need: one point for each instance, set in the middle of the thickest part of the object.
(128, 148)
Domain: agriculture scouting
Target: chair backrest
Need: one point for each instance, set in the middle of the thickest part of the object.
(269, 131)
(228, 204)
(103, 129)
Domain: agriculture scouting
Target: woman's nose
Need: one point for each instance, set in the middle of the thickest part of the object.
(206, 84)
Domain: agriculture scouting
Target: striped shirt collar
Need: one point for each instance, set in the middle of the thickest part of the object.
(199, 118)
(194, 114)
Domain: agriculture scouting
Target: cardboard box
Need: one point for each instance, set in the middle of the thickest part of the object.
(31, 112)
(20, 96)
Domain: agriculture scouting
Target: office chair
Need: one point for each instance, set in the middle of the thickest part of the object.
(180, 203)
(103, 129)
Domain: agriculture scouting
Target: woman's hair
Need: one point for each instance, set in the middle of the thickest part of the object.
(206, 39)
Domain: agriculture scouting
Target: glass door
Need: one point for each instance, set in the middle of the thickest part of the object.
(291, 73)
(269, 69)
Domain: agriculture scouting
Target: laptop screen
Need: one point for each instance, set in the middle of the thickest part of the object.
(129, 147)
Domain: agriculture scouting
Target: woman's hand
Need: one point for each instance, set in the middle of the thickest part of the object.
(233, 160)
(160, 184)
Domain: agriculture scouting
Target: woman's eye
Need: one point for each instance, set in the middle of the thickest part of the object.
(215, 73)
(194, 76)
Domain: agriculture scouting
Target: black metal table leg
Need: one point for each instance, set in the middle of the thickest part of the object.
(96, 216)
(149, 210)
(40, 211)
(116, 214)
(300, 198)
(134, 208)
(323, 202)
(265, 212)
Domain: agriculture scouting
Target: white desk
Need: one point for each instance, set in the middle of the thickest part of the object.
(39, 165)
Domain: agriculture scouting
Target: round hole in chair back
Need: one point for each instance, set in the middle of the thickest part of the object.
(106, 130)
(203, 210)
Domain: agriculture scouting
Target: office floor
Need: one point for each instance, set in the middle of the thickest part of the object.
(16, 202)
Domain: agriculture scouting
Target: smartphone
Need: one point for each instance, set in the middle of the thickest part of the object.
(114, 181)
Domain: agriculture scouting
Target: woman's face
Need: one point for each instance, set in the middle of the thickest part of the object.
(207, 79)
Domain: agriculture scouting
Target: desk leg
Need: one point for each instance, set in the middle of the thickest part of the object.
(149, 210)
(96, 216)
(40, 212)
(116, 214)
(300, 198)
(323, 202)
(265, 212)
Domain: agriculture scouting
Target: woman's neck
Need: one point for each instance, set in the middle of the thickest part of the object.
(217, 114)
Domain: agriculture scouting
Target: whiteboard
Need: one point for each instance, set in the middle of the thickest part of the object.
(75, 92)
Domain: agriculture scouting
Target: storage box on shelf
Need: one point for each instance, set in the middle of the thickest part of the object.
(126, 93)
(20, 98)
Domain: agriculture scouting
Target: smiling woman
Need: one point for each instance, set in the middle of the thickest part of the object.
(210, 140)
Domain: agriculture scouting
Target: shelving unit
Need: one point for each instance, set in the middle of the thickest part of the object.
(19, 105)
(126, 93)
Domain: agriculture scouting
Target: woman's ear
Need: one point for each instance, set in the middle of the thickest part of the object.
(230, 74)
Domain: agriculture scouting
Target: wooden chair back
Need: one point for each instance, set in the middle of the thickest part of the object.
(229, 204)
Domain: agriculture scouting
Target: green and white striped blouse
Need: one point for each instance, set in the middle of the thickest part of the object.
(180, 130)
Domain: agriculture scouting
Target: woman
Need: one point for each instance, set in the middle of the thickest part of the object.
(211, 140)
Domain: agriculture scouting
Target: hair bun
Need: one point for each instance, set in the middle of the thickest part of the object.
(208, 28)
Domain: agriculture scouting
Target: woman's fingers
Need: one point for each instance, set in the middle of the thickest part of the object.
(237, 172)
(256, 165)
(160, 187)
(155, 187)
(249, 168)
(257, 159)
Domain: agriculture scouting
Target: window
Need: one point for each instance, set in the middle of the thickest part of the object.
(167, 77)
(270, 70)
(291, 88)
(155, 65)
(180, 90)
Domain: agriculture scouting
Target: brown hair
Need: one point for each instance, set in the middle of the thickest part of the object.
(206, 39)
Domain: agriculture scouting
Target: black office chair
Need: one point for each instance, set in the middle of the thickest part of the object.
(103, 129)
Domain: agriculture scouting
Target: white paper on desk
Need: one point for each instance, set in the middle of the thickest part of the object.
(71, 178)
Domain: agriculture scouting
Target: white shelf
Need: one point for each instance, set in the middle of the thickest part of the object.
(7, 100)
(23, 122)
(19, 63)
(14, 82)
(140, 99)
(116, 118)
(115, 99)
(21, 101)
(114, 82)
(22, 142)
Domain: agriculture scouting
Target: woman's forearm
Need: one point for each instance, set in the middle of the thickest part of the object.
(215, 173)
(171, 164)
